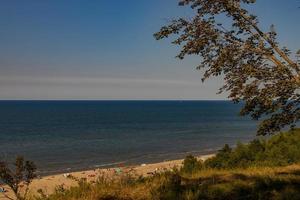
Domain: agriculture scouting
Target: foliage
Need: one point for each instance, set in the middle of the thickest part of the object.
(23, 172)
(191, 165)
(256, 71)
(221, 158)
(280, 150)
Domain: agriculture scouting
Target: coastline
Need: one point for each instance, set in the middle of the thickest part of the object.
(50, 182)
(128, 163)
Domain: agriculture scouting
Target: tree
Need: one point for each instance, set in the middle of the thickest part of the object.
(23, 173)
(256, 70)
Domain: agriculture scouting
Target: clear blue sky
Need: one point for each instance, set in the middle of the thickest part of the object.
(104, 49)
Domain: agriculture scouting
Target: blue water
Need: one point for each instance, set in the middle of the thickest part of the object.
(74, 135)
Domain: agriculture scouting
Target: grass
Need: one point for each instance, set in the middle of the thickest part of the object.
(251, 183)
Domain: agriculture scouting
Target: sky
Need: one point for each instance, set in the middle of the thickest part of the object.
(105, 49)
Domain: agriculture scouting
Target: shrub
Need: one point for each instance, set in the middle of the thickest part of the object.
(23, 172)
(191, 165)
(280, 150)
(221, 159)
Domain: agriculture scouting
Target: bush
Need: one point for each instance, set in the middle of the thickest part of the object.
(221, 159)
(191, 165)
(280, 150)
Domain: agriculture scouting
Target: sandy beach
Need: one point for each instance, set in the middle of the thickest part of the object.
(49, 183)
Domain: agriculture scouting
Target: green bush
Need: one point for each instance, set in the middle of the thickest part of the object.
(221, 159)
(280, 150)
(191, 165)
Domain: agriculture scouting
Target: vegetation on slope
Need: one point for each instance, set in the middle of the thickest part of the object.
(280, 150)
(252, 183)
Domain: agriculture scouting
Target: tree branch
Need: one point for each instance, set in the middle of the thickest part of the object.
(267, 39)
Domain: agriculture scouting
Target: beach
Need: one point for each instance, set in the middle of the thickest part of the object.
(48, 183)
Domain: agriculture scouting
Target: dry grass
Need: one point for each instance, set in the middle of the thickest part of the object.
(251, 183)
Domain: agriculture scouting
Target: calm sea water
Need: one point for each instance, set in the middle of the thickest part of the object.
(73, 135)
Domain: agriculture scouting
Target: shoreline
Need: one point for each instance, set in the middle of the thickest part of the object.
(125, 163)
(48, 183)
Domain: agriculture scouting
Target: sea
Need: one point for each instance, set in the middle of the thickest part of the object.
(62, 136)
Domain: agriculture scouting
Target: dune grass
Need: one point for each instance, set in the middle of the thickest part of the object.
(250, 183)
